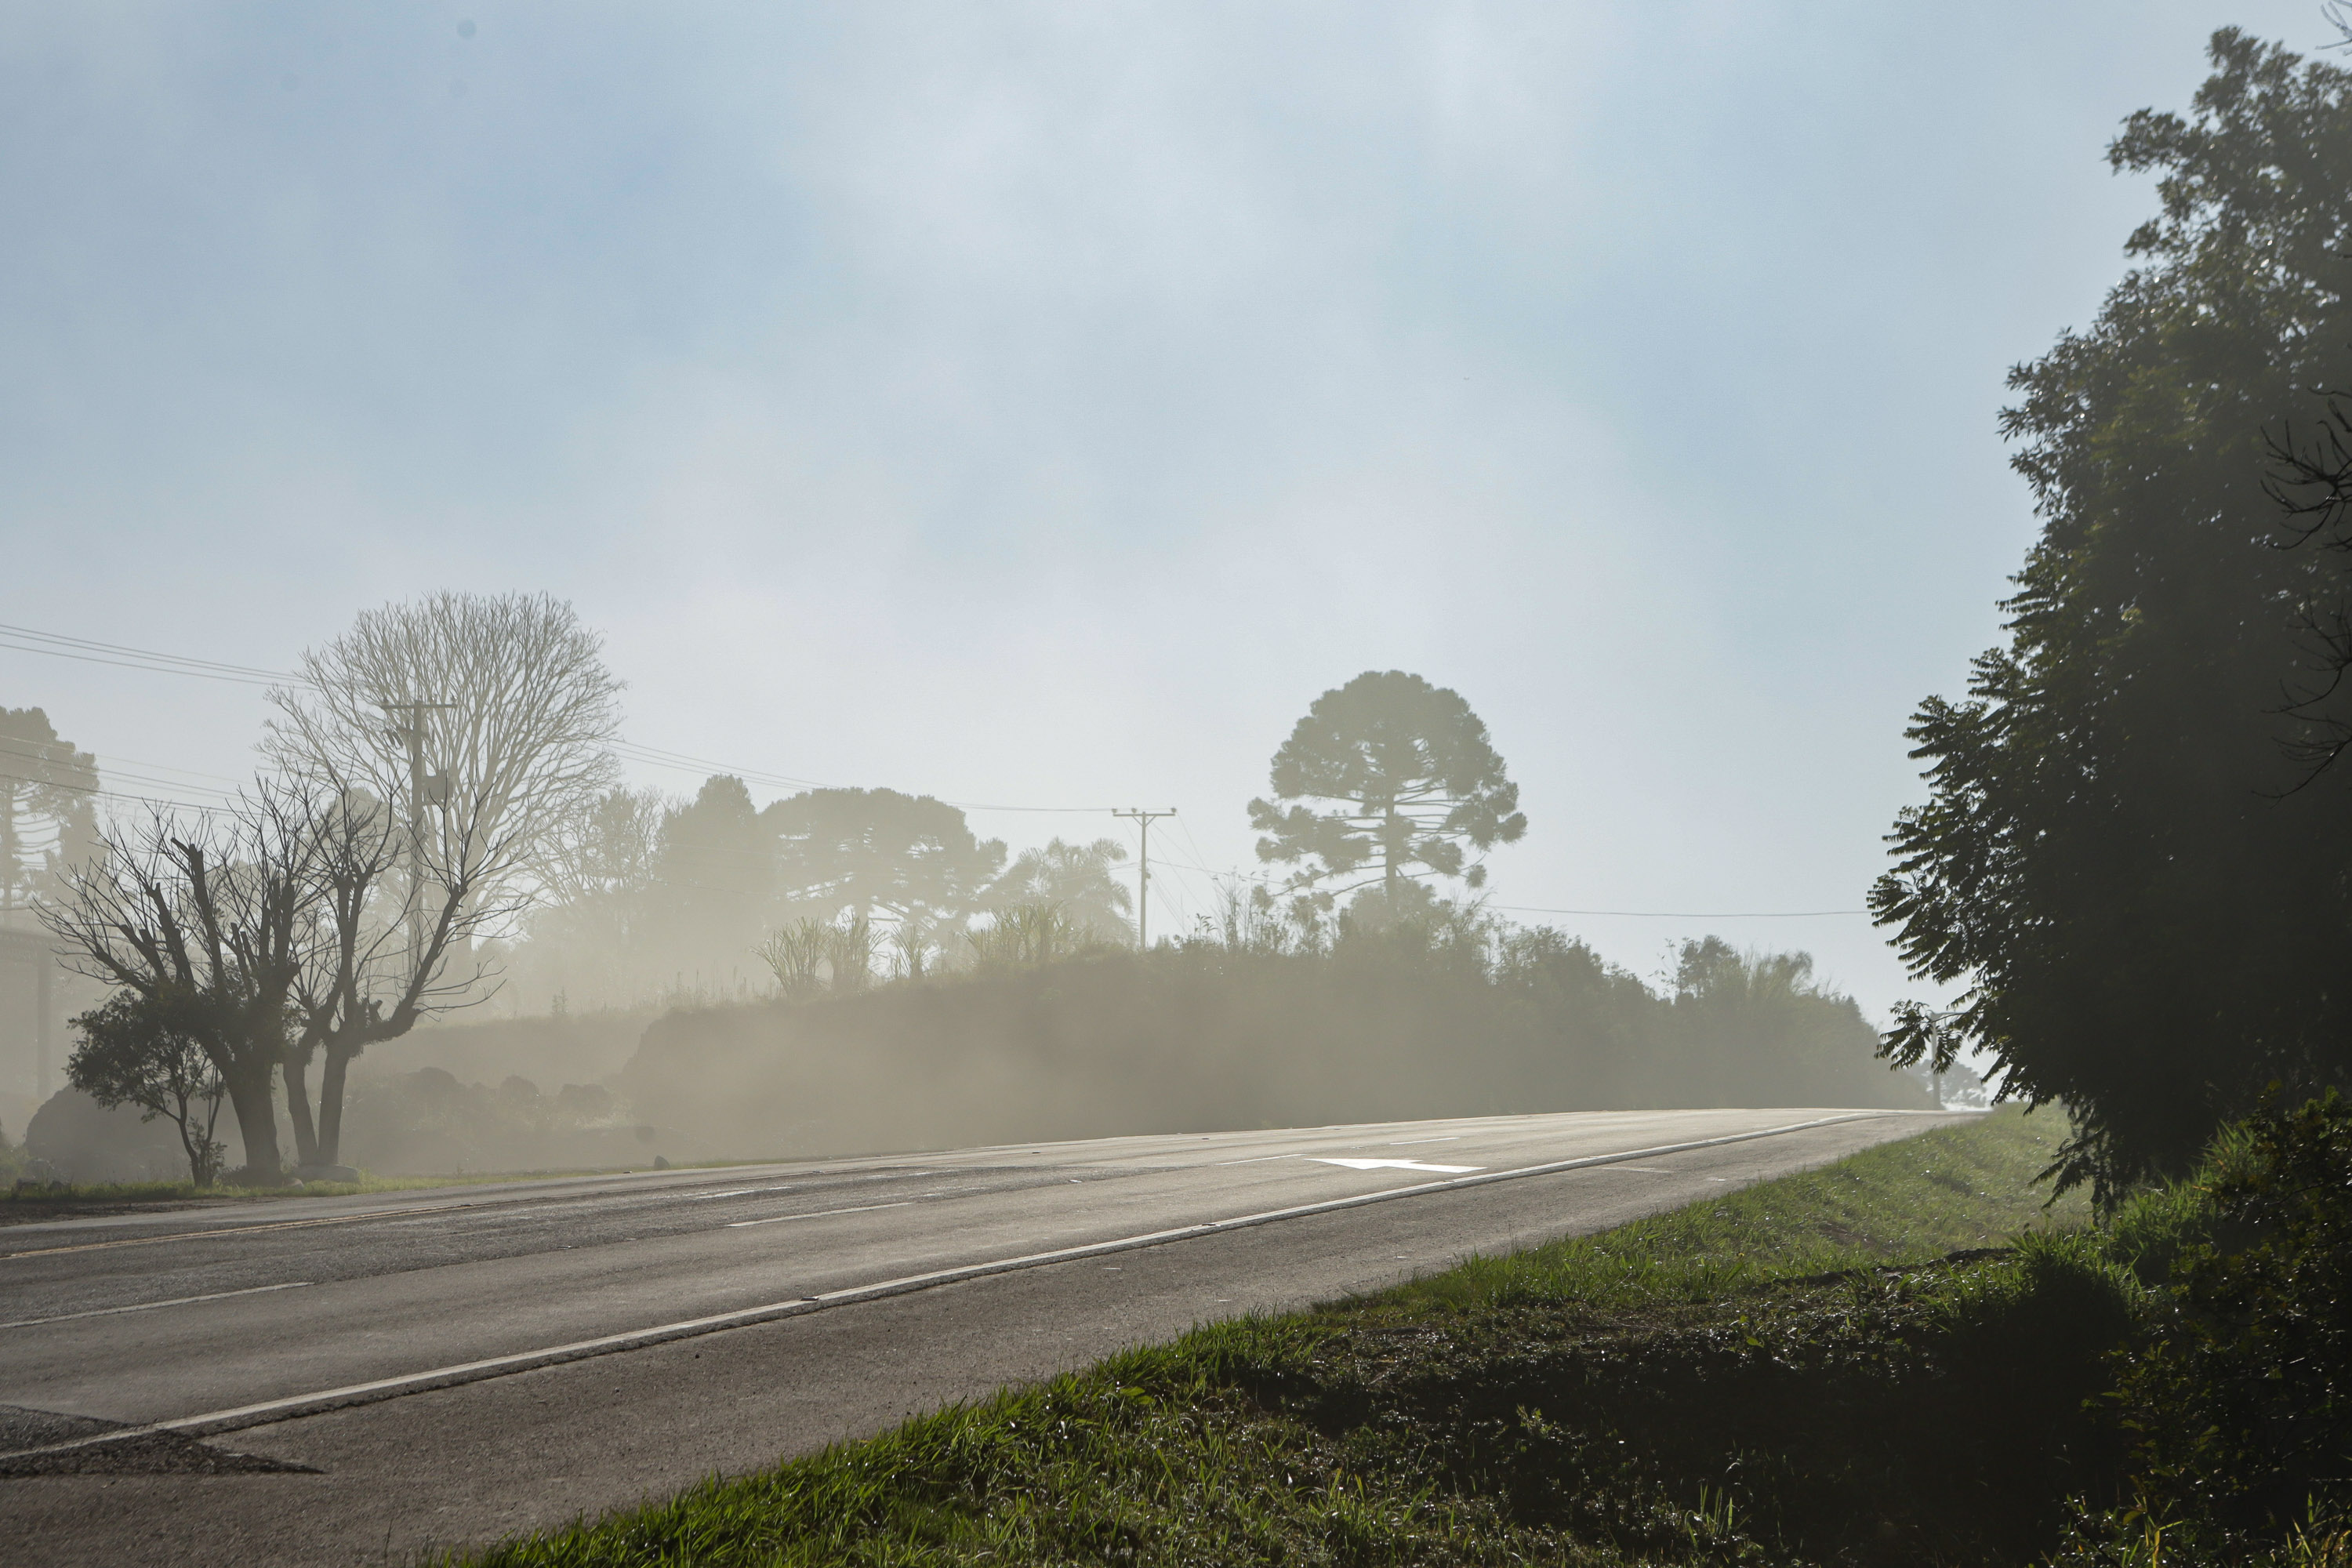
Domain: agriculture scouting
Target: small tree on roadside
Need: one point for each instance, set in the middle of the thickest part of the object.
(1415, 777)
(151, 1051)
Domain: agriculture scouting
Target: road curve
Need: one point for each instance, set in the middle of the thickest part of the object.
(456, 1364)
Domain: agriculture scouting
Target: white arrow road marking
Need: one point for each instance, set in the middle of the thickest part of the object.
(1397, 1165)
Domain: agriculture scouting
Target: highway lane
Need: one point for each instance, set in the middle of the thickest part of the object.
(163, 1318)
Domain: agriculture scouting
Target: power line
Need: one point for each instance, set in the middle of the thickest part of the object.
(11, 752)
(25, 639)
(114, 794)
(91, 650)
(1689, 914)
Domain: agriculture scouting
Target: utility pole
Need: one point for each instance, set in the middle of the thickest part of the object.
(1143, 881)
(413, 733)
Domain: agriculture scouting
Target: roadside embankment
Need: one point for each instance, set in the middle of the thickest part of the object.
(1901, 1357)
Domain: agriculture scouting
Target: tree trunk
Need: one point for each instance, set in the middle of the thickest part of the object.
(331, 1106)
(256, 1121)
(297, 1106)
(197, 1147)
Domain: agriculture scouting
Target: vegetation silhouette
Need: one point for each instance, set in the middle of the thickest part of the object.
(2143, 916)
(1416, 781)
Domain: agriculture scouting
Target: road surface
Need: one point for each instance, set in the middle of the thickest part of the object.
(366, 1379)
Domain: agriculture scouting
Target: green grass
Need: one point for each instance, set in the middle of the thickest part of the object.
(1781, 1374)
(1899, 1203)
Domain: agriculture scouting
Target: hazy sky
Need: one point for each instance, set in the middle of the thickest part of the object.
(1041, 404)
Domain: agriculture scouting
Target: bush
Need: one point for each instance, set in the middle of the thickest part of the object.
(2239, 1401)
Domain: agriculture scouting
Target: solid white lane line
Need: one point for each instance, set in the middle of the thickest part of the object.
(263, 1413)
(151, 1306)
(820, 1214)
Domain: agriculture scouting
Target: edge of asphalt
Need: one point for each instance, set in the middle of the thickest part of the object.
(214, 1422)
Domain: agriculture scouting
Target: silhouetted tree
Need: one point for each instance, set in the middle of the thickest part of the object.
(376, 966)
(151, 1051)
(877, 851)
(1075, 877)
(2146, 920)
(716, 870)
(220, 910)
(47, 806)
(600, 918)
(1416, 776)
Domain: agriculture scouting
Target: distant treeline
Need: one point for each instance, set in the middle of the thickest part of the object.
(1449, 1018)
(651, 901)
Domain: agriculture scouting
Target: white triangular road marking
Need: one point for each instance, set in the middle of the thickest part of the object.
(1395, 1165)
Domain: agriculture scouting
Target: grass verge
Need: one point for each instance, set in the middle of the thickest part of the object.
(1791, 1373)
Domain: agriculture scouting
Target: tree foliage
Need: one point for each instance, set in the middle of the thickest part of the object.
(157, 1052)
(1077, 880)
(877, 850)
(2143, 913)
(1416, 782)
(2242, 1406)
(48, 817)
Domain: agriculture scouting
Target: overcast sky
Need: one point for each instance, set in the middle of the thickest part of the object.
(1042, 405)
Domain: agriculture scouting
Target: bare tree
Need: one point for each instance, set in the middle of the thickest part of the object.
(375, 965)
(215, 910)
(476, 729)
(503, 704)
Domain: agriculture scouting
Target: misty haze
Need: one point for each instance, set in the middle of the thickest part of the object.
(1298, 785)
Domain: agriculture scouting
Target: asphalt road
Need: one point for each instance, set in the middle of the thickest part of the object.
(363, 1380)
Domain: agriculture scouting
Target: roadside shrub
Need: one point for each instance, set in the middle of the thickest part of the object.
(2239, 1401)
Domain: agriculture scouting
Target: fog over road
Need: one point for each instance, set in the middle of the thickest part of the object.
(456, 1365)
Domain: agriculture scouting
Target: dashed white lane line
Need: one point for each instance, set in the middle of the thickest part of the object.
(1257, 1160)
(819, 1213)
(151, 1306)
